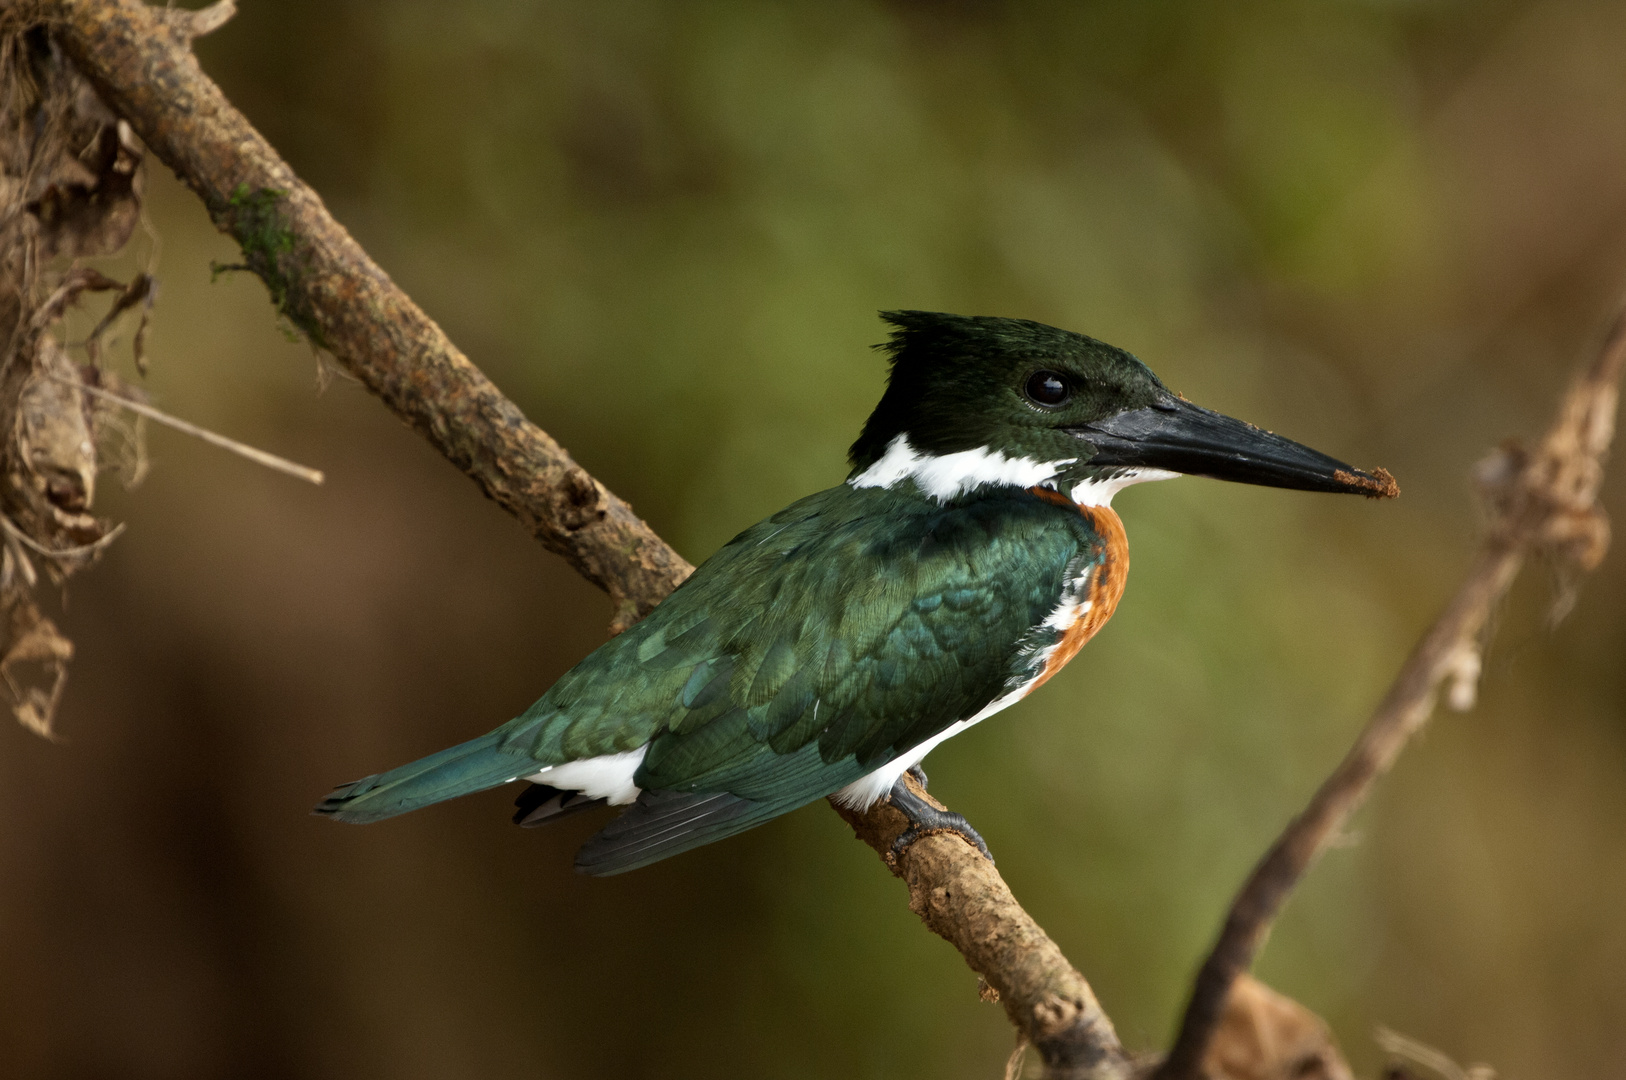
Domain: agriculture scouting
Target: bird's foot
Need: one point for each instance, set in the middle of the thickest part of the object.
(926, 819)
(919, 774)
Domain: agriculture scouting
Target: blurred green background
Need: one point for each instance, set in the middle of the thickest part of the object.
(1388, 228)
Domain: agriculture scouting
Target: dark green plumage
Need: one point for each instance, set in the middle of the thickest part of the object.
(814, 647)
(876, 606)
(956, 383)
(834, 643)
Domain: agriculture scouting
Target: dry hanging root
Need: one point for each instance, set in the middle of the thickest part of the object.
(70, 188)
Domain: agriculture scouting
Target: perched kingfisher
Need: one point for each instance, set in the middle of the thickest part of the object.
(969, 555)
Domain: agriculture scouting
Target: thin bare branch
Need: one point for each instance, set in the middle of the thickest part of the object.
(1018, 1058)
(260, 457)
(1544, 499)
(1412, 1052)
(208, 20)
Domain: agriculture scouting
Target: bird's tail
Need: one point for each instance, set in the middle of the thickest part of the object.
(461, 770)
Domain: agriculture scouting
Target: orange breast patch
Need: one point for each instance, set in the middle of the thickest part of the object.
(1101, 593)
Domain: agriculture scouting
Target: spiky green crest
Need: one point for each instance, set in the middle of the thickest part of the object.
(957, 383)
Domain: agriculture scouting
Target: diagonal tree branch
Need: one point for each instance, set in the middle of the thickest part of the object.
(1540, 500)
(139, 59)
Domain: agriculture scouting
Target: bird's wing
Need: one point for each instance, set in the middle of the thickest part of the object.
(815, 647)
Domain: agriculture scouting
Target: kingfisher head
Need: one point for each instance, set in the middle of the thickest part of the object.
(977, 400)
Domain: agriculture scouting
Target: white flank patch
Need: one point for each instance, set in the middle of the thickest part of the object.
(864, 792)
(607, 777)
(943, 476)
(1068, 612)
(1100, 492)
(1074, 605)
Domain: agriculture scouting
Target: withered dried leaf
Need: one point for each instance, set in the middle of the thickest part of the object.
(70, 186)
(93, 202)
(78, 280)
(32, 639)
(50, 479)
(141, 290)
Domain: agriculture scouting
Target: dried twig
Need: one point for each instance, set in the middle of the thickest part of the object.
(1412, 1052)
(208, 20)
(1544, 499)
(1019, 1057)
(270, 461)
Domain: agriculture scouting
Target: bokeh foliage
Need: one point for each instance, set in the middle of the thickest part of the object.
(1383, 227)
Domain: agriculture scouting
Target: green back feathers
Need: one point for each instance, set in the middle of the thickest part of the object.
(817, 645)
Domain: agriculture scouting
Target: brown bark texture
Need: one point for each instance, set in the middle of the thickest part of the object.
(961, 897)
(138, 59)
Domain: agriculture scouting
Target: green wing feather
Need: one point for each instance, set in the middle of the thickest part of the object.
(847, 618)
(809, 651)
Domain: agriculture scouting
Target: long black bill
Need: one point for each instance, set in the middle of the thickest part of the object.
(1175, 435)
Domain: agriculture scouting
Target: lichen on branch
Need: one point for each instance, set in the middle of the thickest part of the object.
(254, 219)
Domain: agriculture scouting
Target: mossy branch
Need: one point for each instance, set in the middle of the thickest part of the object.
(320, 279)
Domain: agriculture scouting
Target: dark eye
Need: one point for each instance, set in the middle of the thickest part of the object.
(1048, 389)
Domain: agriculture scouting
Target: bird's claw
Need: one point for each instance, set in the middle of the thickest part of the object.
(925, 819)
(953, 823)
